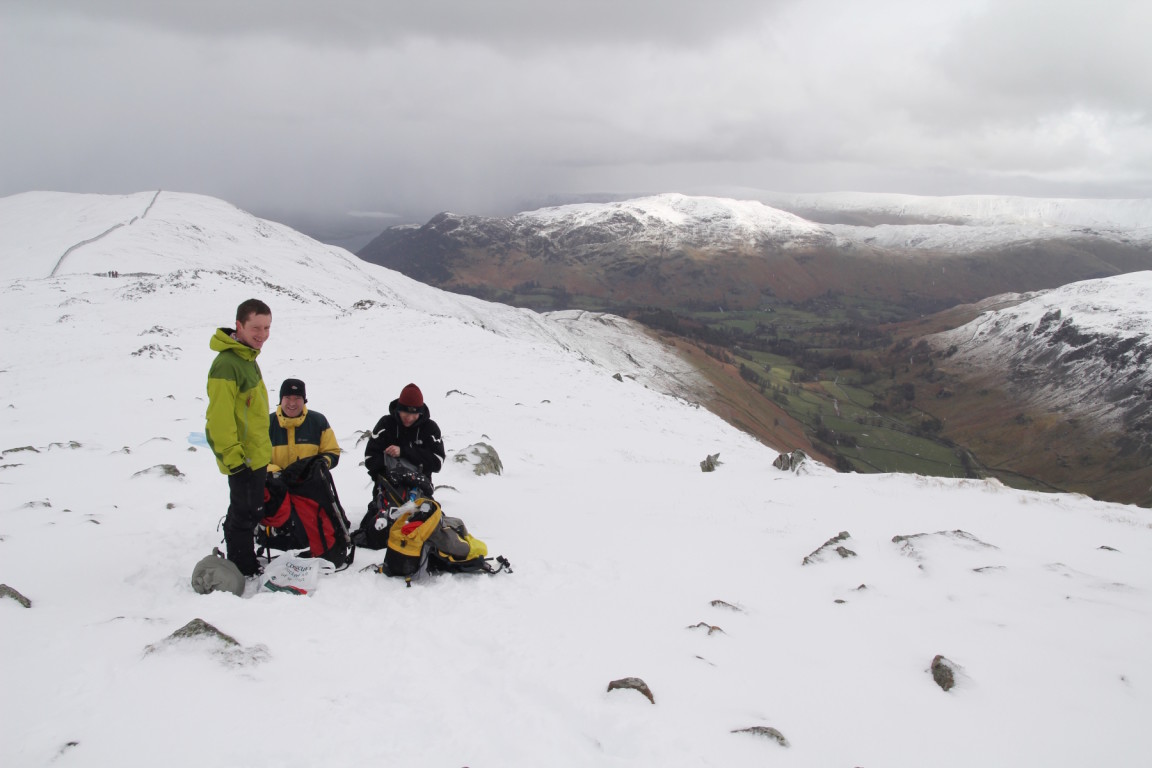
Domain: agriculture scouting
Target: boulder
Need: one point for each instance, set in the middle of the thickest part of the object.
(482, 457)
(944, 672)
(790, 462)
(710, 463)
(635, 684)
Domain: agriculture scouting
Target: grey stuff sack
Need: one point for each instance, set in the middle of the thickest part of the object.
(215, 572)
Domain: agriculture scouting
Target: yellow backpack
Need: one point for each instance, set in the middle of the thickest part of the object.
(419, 536)
(406, 554)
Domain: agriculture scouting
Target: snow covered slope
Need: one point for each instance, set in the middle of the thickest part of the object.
(1083, 348)
(629, 561)
(167, 243)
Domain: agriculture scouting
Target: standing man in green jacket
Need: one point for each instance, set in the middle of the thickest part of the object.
(237, 427)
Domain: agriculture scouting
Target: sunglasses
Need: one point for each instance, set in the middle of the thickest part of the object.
(409, 409)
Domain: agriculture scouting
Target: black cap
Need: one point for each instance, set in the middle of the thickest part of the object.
(292, 387)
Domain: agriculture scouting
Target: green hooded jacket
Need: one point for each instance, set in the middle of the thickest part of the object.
(237, 417)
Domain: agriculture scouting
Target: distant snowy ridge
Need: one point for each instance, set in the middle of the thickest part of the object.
(899, 223)
(979, 210)
(674, 220)
(1084, 347)
(967, 223)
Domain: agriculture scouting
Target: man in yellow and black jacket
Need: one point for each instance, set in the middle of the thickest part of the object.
(236, 426)
(298, 433)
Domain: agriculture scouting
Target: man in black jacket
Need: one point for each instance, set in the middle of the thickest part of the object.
(407, 432)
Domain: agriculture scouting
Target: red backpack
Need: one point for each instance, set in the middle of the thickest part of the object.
(302, 511)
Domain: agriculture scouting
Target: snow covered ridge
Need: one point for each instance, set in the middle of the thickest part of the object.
(167, 242)
(962, 224)
(671, 220)
(1085, 347)
(966, 223)
(977, 210)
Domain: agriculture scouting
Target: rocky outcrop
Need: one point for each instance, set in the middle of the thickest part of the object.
(832, 545)
(766, 732)
(160, 470)
(482, 457)
(220, 645)
(634, 684)
(790, 462)
(7, 591)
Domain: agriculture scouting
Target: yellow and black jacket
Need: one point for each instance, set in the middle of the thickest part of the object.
(237, 418)
(298, 438)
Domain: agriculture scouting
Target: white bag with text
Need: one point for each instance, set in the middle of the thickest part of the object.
(294, 574)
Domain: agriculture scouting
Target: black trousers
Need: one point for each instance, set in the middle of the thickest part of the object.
(245, 510)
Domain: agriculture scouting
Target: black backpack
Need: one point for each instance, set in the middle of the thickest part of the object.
(302, 511)
(400, 482)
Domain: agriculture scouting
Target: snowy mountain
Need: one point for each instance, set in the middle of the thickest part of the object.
(966, 223)
(774, 615)
(672, 250)
(669, 221)
(1082, 349)
(160, 243)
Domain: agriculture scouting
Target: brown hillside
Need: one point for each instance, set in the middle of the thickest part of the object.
(742, 406)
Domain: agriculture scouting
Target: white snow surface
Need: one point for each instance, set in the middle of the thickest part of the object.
(619, 544)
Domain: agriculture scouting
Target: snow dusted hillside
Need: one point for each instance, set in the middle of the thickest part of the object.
(1083, 348)
(673, 250)
(966, 223)
(959, 224)
(979, 210)
(670, 220)
(750, 600)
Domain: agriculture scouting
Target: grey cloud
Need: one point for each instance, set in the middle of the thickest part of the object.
(895, 95)
(367, 22)
(1026, 54)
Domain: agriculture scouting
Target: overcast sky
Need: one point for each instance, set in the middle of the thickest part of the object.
(405, 108)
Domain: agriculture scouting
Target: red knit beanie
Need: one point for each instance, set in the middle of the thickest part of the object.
(411, 396)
